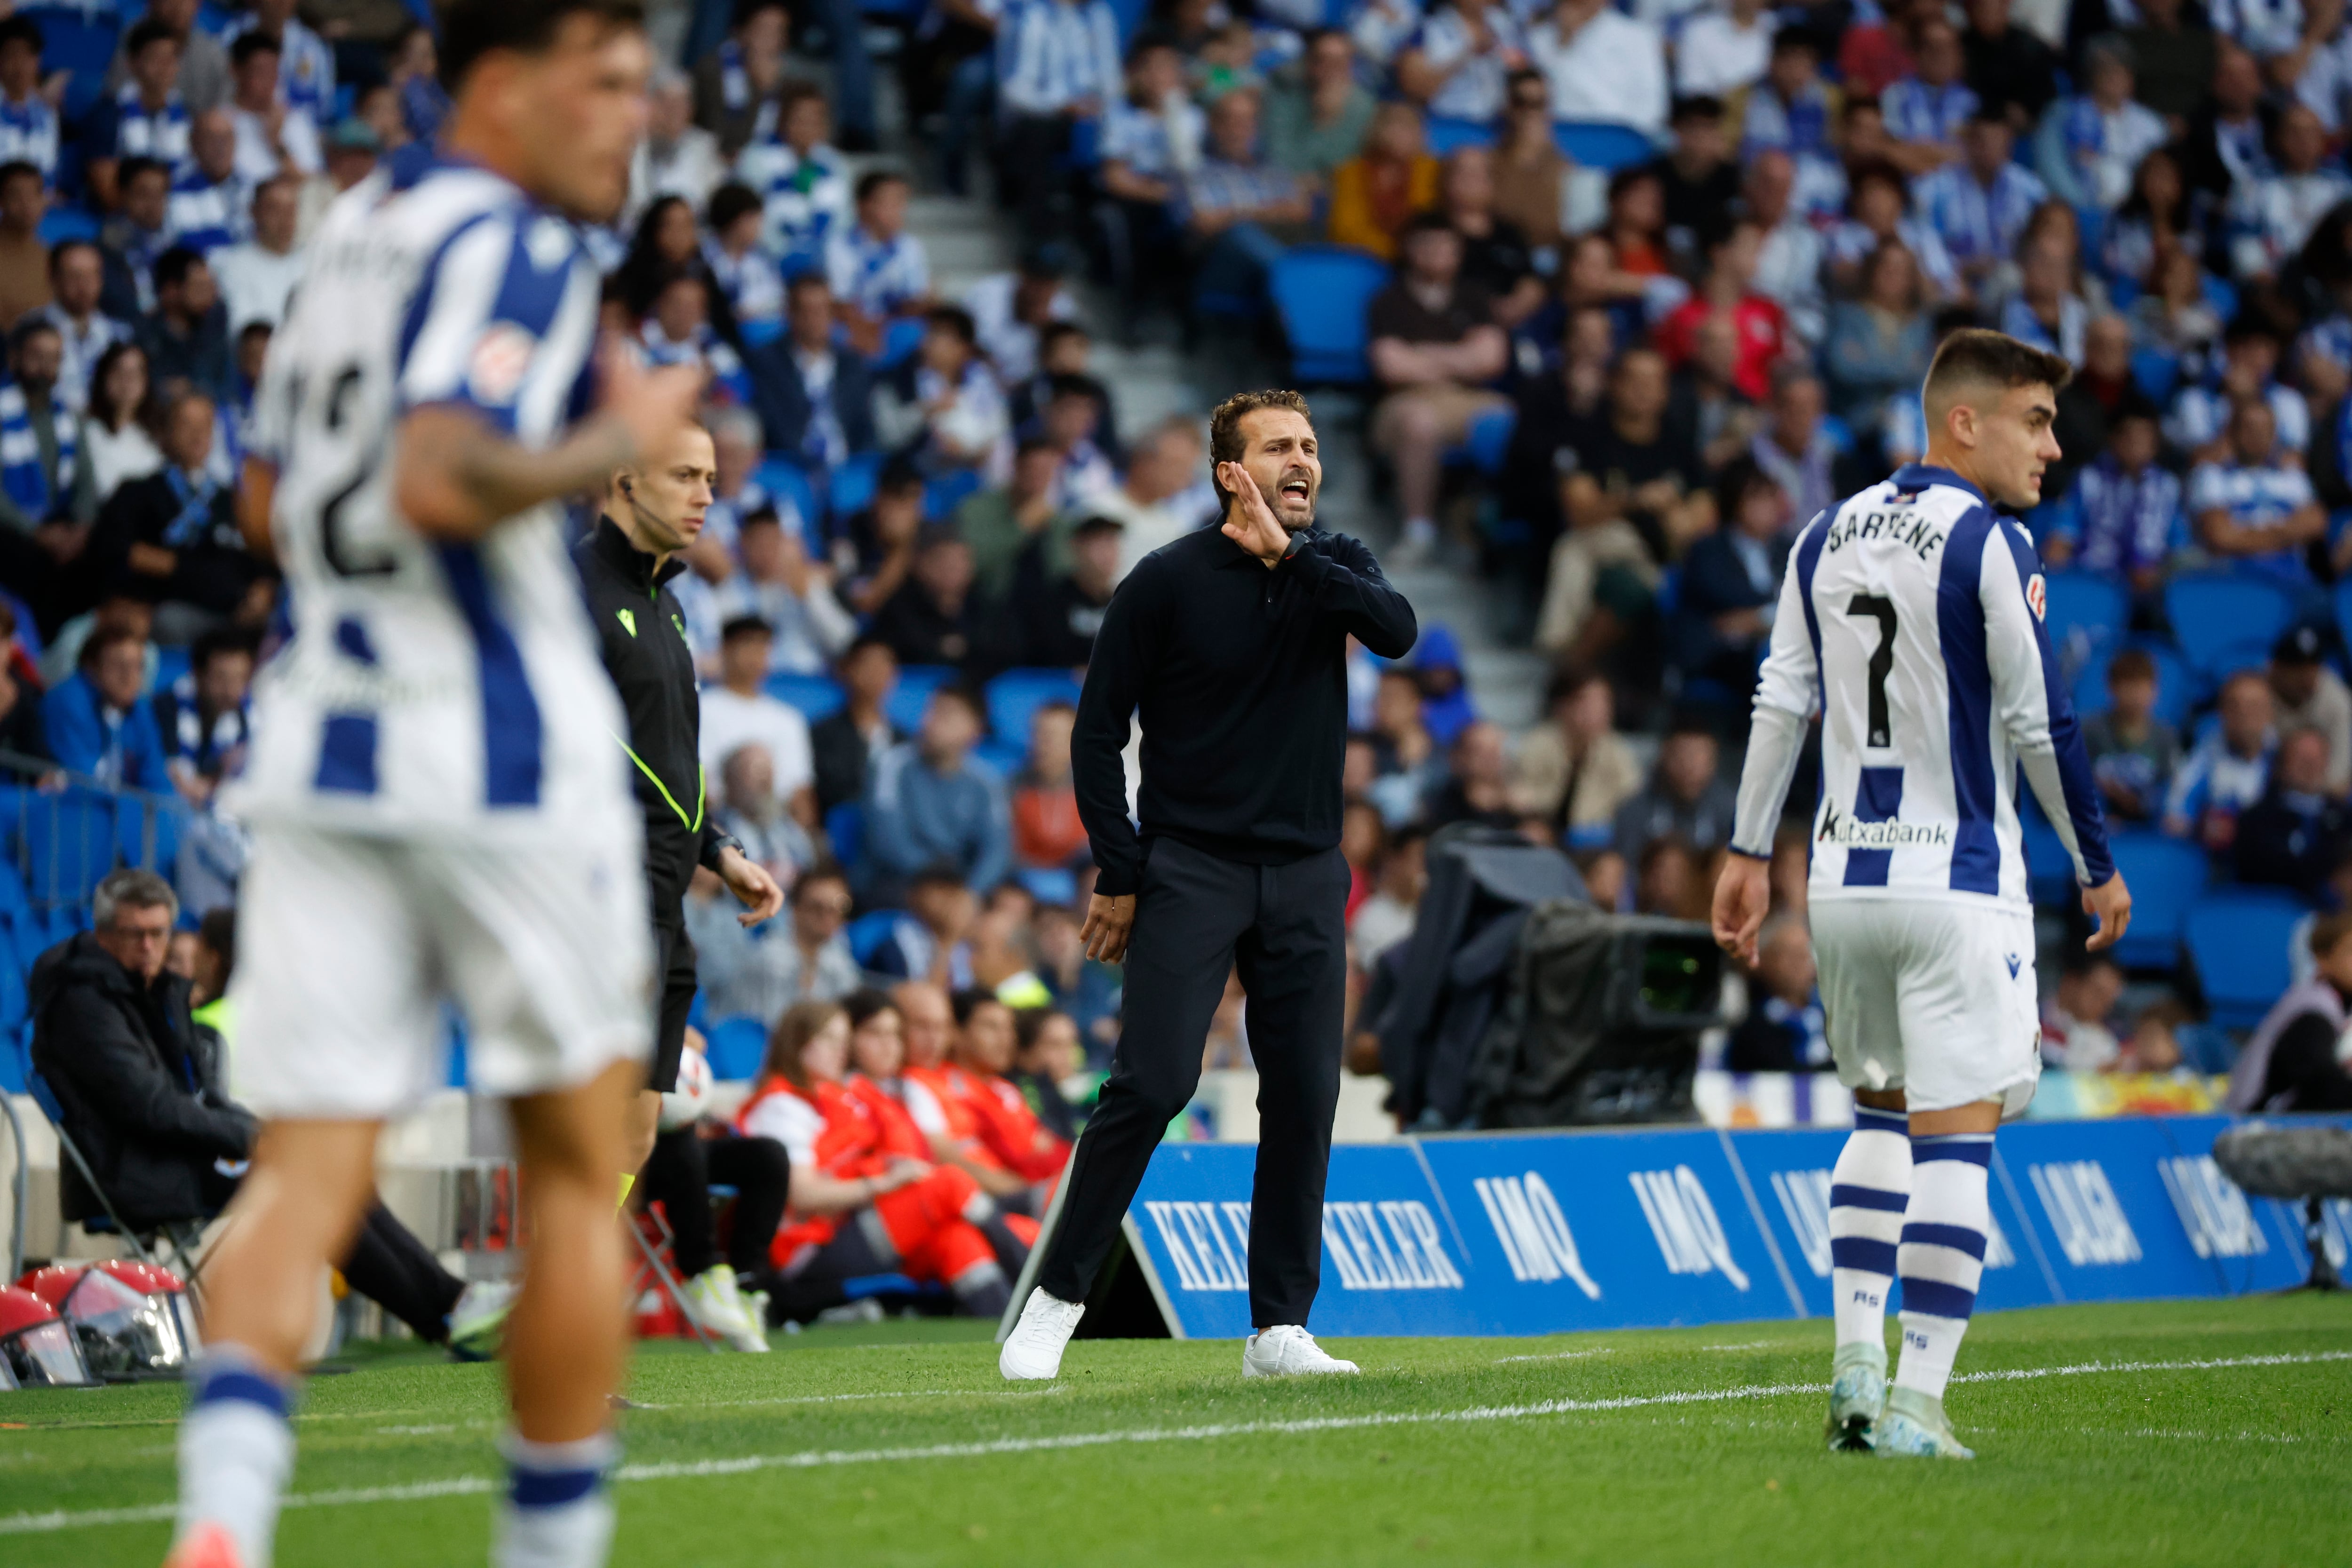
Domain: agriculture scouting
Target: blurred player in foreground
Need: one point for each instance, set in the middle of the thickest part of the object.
(439, 811)
(1912, 616)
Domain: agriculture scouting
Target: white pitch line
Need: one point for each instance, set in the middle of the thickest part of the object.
(461, 1485)
(1556, 1355)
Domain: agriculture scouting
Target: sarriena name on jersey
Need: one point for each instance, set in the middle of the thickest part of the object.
(1912, 529)
(1852, 833)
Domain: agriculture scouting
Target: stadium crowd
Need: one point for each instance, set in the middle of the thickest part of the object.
(1653, 286)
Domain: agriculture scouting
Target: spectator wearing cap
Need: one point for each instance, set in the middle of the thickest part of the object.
(1434, 347)
(256, 277)
(2126, 518)
(930, 801)
(1687, 799)
(814, 398)
(1240, 213)
(96, 722)
(2133, 753)
(24, 260)
(1009, 309)
(2296, 833)
(1050, 618)
(2229, 769)
(848, 741)
(791, 595)
(1318, 120)
(932, 616)
(185, 336)
(2306, 694)
(1601, 65)
(76, 283)
(737, 711)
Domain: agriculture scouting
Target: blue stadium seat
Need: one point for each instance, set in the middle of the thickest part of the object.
(1017, 694)
(1005, 756)
(868, 931)
(171, 663)
(1321, 292)
(61, 224)
(2238, 939)
(77, 40)
(1049, 884)
(1130, 15)
(942, 496)
(2087, 614)
(900, 339)
(735, 1046)
(849, 489)
(2344, 610)
(786, 480)
(816, 696)
(2174, 684)
(1447, 135)
(1600, 144)
(2166, 875)
(2048, 869)
(2217, 619)
(845, 826)
(69, 844)
(904, 706)
(1488, 441)
(2155, 373)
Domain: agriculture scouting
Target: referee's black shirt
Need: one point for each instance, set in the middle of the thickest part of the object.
(1239, 676)
(641, 631)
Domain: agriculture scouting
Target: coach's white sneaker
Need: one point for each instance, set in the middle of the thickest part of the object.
(1914, 1427)
(715, 1303)
(1034, 1349)
(1287, 1350)
(1857, 1393)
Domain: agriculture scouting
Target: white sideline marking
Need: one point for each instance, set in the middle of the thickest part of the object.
(1556, 1355)
(820, 1459)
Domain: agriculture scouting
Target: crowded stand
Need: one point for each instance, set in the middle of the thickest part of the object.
(1612, 300)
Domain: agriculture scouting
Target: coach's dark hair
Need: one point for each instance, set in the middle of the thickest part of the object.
(473, 28)
(1981, 354)
(1227, 444)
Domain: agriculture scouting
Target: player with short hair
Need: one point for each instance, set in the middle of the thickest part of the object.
(439, 813)
(1911, 617)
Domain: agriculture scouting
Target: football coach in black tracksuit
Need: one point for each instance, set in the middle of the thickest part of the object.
(1233, 643)
(651, 512)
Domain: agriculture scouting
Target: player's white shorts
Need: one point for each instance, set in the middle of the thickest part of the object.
(348, 944)
(1933, 999)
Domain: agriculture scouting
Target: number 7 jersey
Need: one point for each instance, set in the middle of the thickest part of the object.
(1911, 616)
(428, 686)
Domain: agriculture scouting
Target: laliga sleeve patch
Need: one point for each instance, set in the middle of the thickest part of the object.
(501, 358)
(2037, 597)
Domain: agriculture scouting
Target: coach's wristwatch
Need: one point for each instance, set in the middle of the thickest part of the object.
(1297, 542)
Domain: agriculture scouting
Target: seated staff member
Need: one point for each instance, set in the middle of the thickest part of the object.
(689, 1154)
(987, 1038)
(854, 1208)
(940, 1099)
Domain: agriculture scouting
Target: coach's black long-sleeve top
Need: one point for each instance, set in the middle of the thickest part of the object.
(641, 631)
(1239, 676)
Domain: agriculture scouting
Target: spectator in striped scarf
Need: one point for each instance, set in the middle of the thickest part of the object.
(202, 716)
(41, 481)
(171, 538)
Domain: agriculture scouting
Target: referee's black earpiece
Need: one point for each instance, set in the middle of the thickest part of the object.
(627, 489)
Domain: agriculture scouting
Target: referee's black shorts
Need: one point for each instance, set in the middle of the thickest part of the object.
(674, 961)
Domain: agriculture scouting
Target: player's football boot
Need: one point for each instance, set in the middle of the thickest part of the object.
(1857, 1390)
(712, 1297)
(1287, 1350)
(479, 1321)
(1914, 1427)
(1034, 1349)
(208, 1545)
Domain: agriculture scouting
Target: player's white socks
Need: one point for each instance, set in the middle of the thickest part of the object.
(1942, 1254)
(237, 1450)
(556, 1513)
(1869, 1190)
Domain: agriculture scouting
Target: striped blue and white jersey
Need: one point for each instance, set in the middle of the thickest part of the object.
(429, 687)
(1910, 618)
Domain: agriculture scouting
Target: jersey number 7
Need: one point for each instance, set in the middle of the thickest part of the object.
(1882, 662)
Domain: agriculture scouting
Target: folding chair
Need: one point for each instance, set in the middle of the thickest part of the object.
(652, 1249)
(181, 1240)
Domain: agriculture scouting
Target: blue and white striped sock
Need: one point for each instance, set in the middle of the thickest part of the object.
(556, 1513)
(1942, 1254)
(1868, 1192)
(237, 1450)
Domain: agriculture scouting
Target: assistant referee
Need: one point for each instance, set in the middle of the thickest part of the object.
(1231, 644)
(651, 513)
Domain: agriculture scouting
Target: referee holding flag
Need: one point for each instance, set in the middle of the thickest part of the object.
(1231, 645)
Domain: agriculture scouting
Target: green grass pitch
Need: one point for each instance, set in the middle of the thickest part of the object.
(2209, 1432)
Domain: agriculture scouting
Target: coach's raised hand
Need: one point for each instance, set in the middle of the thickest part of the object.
(1252, 523)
